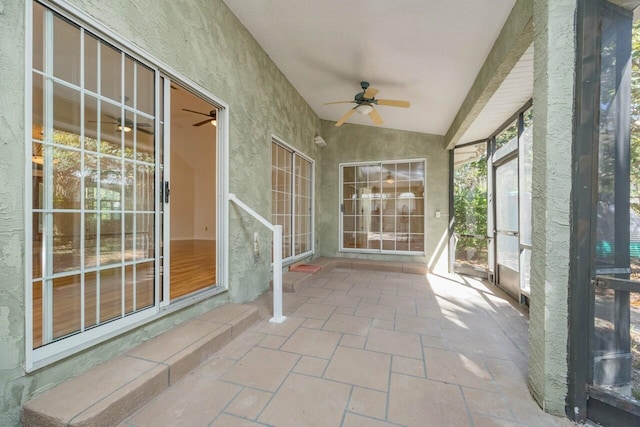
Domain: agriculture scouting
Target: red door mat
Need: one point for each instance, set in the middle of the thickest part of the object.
(305, 268)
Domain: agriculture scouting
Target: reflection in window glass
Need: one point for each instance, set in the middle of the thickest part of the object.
(93, 181)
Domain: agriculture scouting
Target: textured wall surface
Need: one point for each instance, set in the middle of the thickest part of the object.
(552, 140)
(355, 143)
(204, 42)
(12, 388)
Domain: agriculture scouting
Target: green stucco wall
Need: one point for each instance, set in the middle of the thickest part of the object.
(203, 41)
(554, 65)
(354, 143)
(12, 387)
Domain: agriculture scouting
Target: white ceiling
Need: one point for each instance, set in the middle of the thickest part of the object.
(425, 51)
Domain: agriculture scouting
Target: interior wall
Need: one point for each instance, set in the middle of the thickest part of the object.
(355, 143)
(193, 183)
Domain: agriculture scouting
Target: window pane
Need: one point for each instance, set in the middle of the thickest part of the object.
(66, 51)
(38, 36)
(508, 251)
(110, 294)
(110, 129)
(129, 185)
(111, 250)
(90, 299)
(507, 196)
(90, 240)
(507, 140)
(129, 81)
(525, 267)
(67, 178)
(66, 241)
(349, 174)
(66, 305)
(90, 62)
(129, 237)
(144, 285)
(145, 187)
(145, 240)
(416, 242)
(145, 90)
(110, 72)
(303, 205)
(37, 130)
(66, 116)
(145, 143)
(90, 123)
(37, 314)
(526, 167)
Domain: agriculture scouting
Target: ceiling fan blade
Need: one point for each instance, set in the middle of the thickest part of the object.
(148, 132)
(370, 92)
(375, 117)
(345, 117)
(197, 112)
(338, 102)
(393, 103)
(204, 122)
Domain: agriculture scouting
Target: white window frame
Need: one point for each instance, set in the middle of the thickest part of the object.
(57, 350)
(296, 152)
(341, 247)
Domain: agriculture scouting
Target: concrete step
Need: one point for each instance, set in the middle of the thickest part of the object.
(108, 393)
(294, 281)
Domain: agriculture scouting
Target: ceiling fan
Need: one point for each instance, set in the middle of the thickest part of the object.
(211, 115)
(126, 125)
(365, 101)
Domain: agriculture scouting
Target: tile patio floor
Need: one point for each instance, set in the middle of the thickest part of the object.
(364, 348)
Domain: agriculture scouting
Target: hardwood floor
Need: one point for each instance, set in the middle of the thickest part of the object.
(193, 267)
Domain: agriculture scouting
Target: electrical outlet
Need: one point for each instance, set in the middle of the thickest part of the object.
(256, 245)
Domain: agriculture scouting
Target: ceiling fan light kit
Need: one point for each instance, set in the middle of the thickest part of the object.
(364, 109)
(365, 101)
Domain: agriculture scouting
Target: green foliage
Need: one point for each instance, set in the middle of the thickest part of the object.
(470, 205)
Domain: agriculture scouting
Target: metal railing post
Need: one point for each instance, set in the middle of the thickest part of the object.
(277, 258)
(277, 275)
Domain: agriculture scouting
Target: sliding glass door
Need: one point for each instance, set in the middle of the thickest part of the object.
(382, 207)
(123, 221)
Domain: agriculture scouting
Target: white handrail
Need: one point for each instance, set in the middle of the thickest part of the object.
(277, 258)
